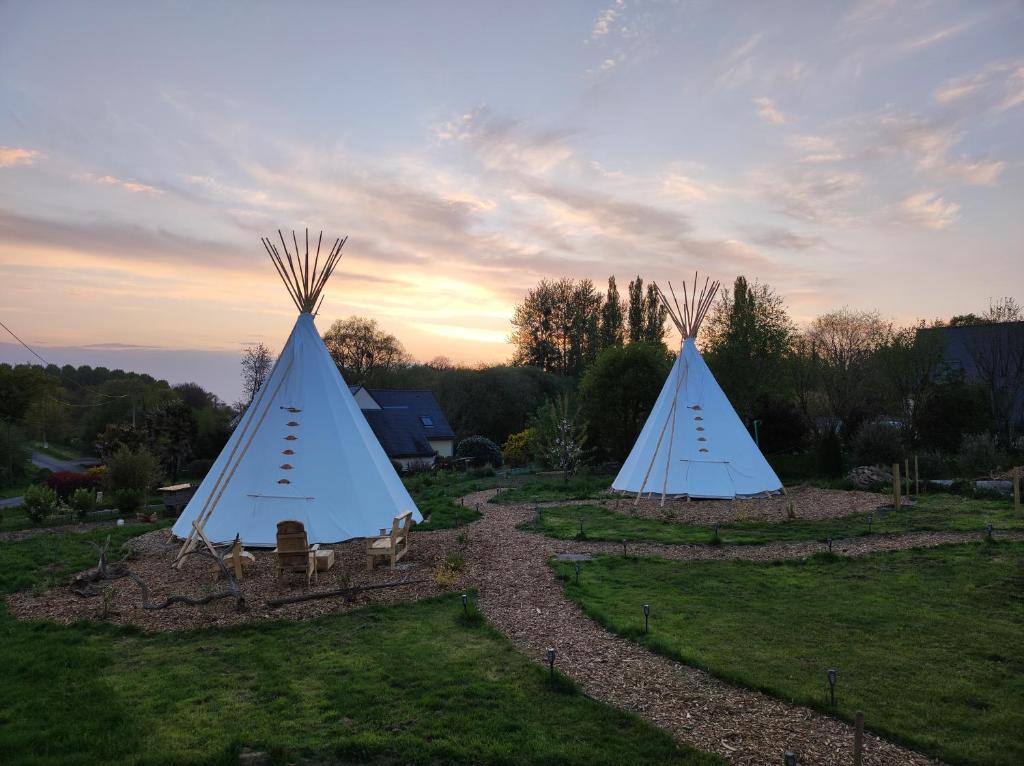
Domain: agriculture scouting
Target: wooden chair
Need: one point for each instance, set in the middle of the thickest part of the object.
(394, 545)
(294, 554)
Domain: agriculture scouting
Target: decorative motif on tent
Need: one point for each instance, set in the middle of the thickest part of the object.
(702, 450)
(288, 452)
(695, 407)
(700, 428)
(283, 481)
(701, 439)
(698, 418)
(292, 410)
(291, 437)
(292, 423)
(287, 466)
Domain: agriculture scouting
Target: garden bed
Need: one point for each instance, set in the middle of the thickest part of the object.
(154, 552)
(807, 503)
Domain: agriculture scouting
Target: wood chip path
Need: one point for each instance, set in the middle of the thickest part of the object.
(520, 595)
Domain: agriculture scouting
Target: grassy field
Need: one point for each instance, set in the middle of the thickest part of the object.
(935, 512)
(414, 683)
(533, 488)
(926, 642)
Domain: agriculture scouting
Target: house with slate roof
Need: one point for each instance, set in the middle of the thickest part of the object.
(409, 424)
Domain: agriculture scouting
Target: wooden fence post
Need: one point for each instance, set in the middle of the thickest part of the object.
(896, 486)
(906, 466)
(858, 739)
(1016, 490)
(917, 478)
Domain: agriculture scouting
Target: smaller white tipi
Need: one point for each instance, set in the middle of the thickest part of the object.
(303, 450)
(693, 443)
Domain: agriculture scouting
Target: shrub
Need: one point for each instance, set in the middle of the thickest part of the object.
(83, 501)
(877, 443)
(40, 501)
(129, 500)
(932, 464)
(198, 469)
(64, 483)
(480, 450)
(135, 471)
(483, 472)
(828, 456)
(978, 455)
(516, 450)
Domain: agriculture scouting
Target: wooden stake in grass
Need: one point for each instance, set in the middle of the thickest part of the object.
(858, 739)
(906, 467)
(896, 486)
(917, 478)
(1016, 490)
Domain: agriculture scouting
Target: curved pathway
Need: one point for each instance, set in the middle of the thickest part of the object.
(521, 596)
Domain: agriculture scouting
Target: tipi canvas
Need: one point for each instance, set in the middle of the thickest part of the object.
(303, 449)
(693, 443)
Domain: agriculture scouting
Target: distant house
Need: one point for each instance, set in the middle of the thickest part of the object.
(409, 424)
(991, 353)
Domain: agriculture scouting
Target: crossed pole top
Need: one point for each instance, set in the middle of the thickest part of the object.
(688, 317)
(304, 284)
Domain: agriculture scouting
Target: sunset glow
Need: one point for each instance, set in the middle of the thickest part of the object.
(868, 155)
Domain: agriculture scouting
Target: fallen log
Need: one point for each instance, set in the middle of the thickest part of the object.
(346, 593)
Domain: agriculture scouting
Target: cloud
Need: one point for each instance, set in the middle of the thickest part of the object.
(738, 65)
(770, 112)
(976, 172)
(785, 239)
(132, 186)
(507, 144)
(927, 209)
(683, 188)
(999, 86)
(605, 21)
(809, 194)
(939, 35)
(13, 155)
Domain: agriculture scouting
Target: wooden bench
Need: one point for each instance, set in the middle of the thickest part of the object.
(394, 545)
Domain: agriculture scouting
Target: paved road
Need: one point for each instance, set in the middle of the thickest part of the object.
(42, 460)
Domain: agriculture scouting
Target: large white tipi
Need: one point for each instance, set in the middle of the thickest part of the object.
(693, 443)
(303, 450)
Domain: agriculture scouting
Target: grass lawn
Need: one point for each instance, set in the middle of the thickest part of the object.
(437, 495)
(933, 512)
(58, 451)
(926, 642)
(412, 683)
(541, 489)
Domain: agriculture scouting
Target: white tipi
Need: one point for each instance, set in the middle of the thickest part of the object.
(693, 443)
(303, 449)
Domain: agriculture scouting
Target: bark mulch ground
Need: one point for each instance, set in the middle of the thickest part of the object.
(807, 503)
(521, 596)
(153, 553)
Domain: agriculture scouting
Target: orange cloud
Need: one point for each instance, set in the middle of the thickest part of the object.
(13, 155)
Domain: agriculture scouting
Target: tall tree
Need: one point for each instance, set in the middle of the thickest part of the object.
(256, 363)
(557, 326)
(172, 431)
(655, 315)
(843, 343)
(617, 394)
(636, 310)
(746, 336)
(360, 347)
(612, 330)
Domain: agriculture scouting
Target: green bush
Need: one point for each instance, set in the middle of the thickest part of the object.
(932, 464)
(828, 455)
(877, 443)
(481, 451)
(83, 501)
(134, 471)
(516, 450)
(40, 501)
(978, 455)
(129, 500)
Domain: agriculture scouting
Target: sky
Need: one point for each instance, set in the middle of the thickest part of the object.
(868, 154)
